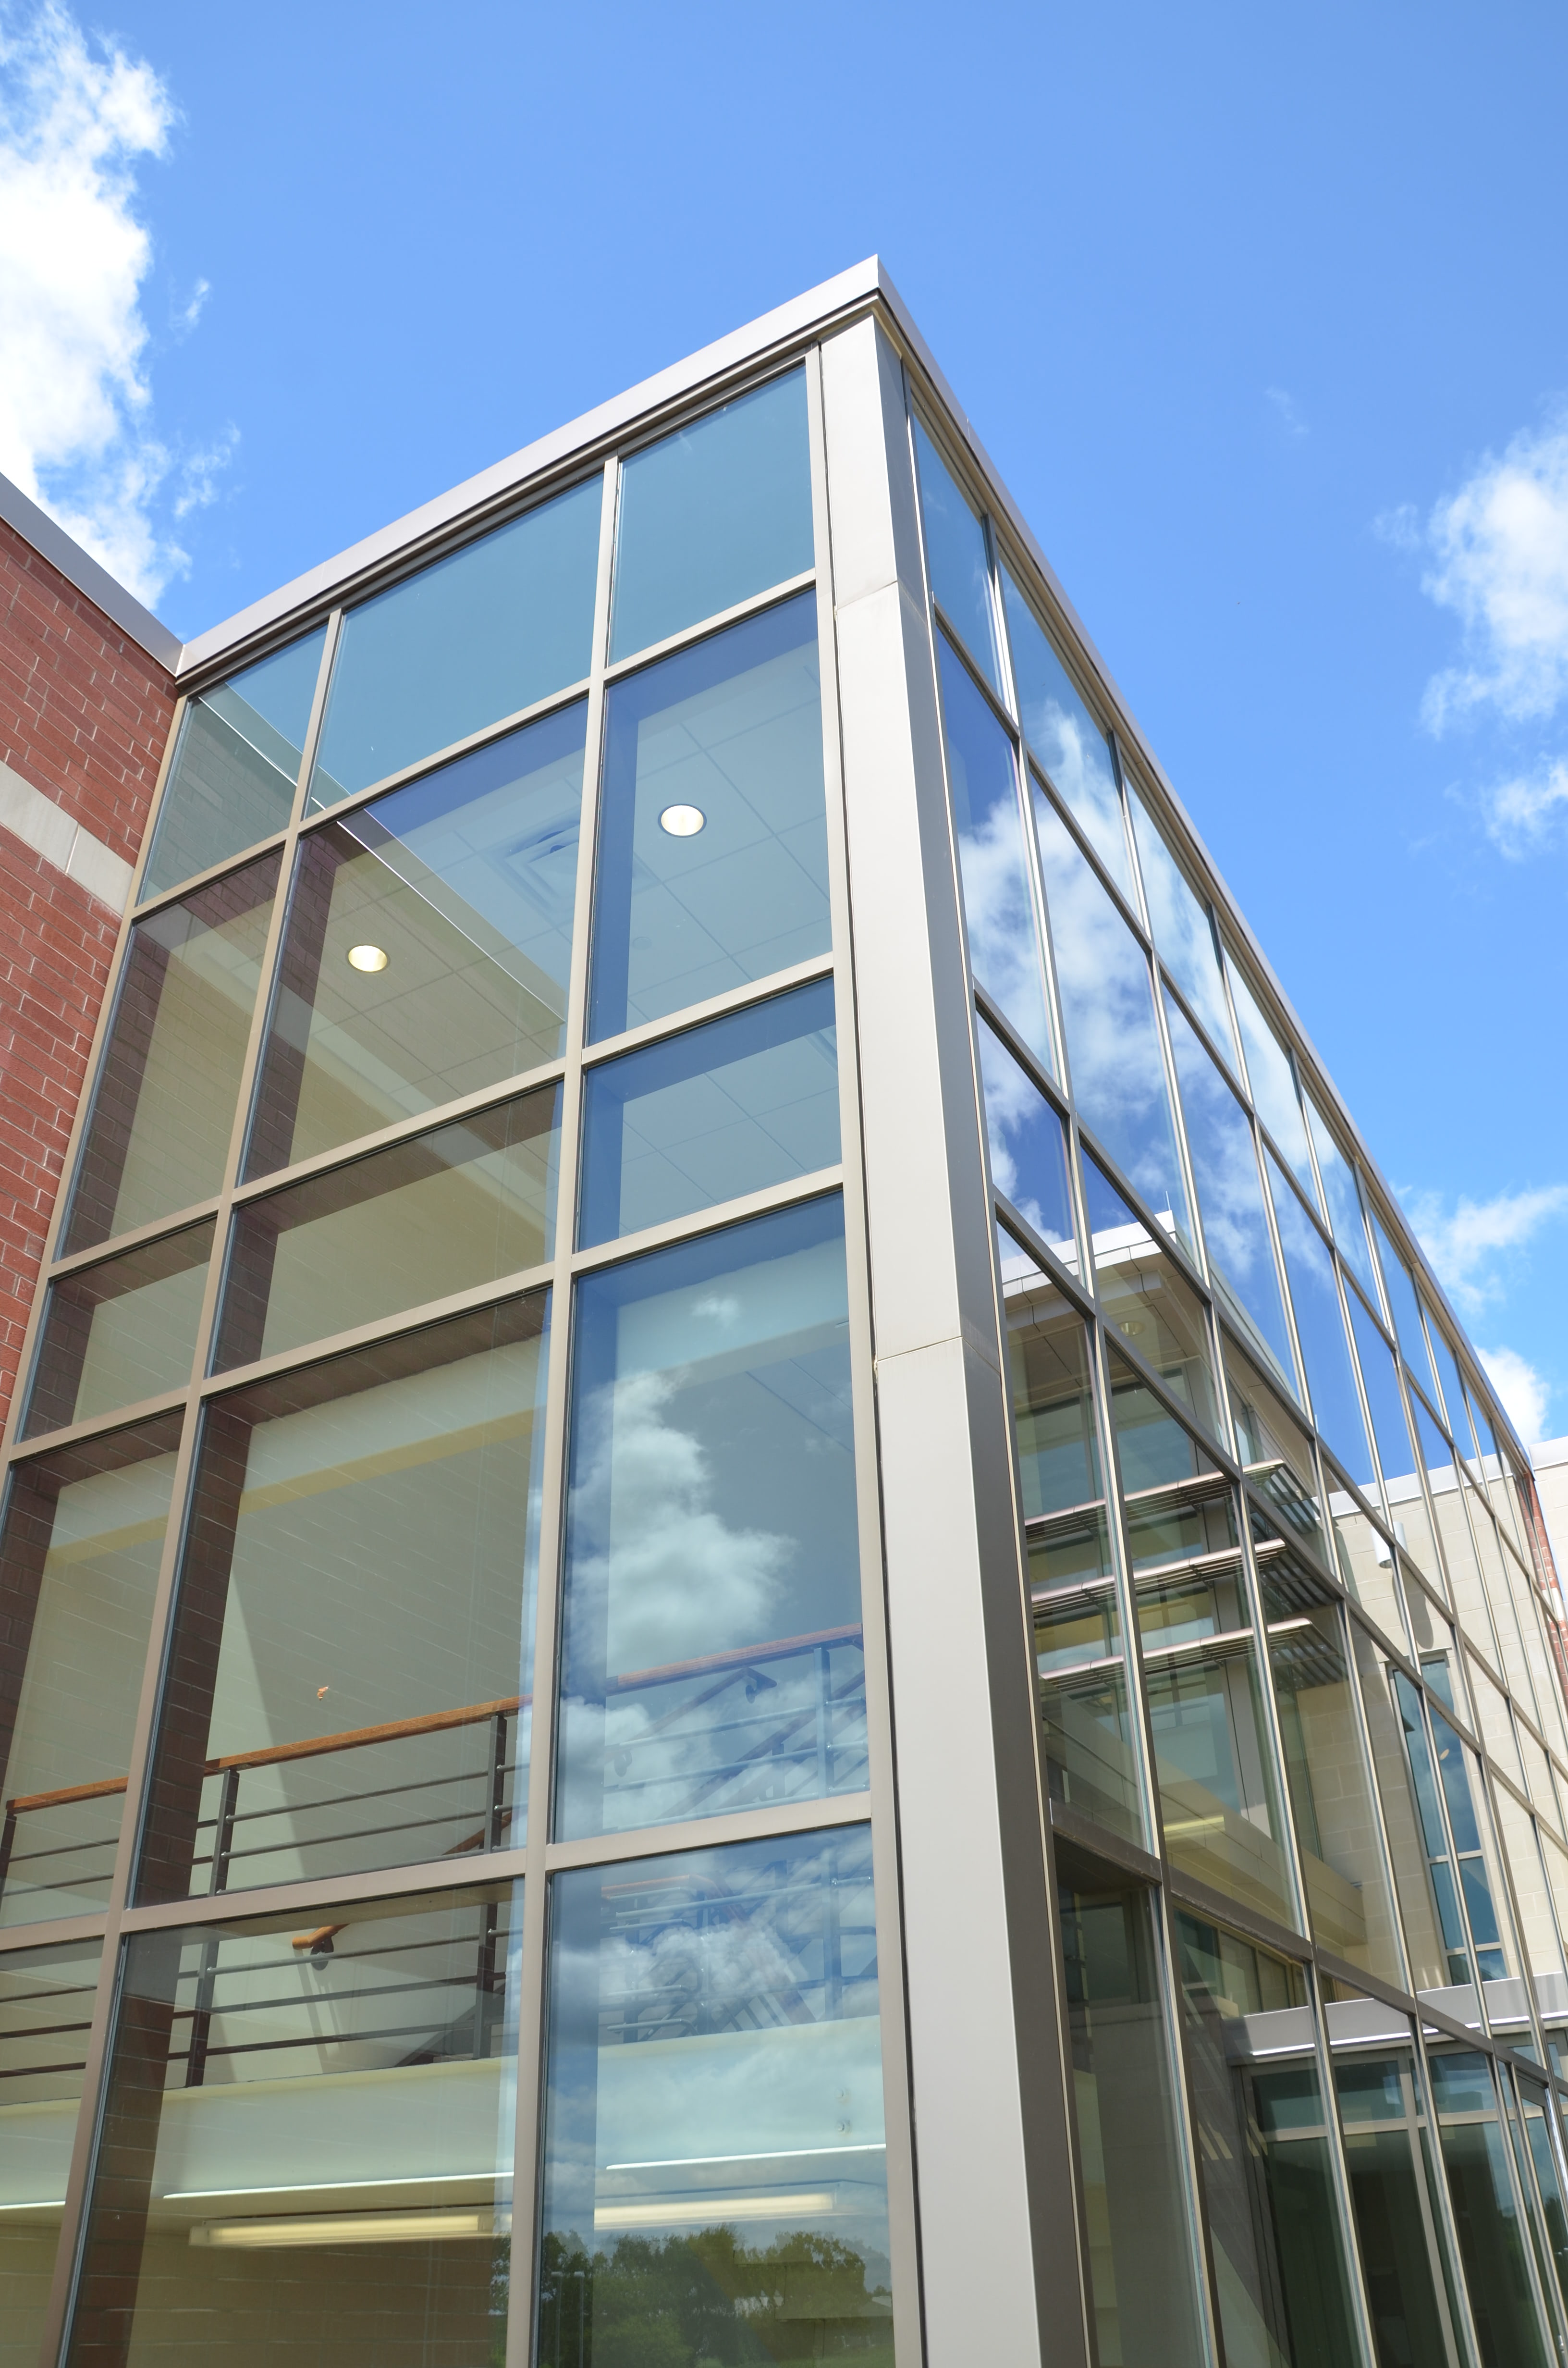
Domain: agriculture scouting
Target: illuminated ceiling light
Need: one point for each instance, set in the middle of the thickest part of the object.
(343, 2228)
(367, 958)
(682, 822)
(692, 2210)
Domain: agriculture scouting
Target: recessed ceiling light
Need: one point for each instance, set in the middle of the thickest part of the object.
(682, 822)
(367, 958)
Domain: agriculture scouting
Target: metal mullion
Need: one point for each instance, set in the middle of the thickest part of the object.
(305, 1897)
(554, 703)
(820, 1813)
(1139, 1717)
(1178, 1122)
(1490, 1776)
(1074, 1292)
(1131, 914)
(1224, 1062)
(193, 886)
(1285, 1808)
(1179, 2073)
(818, 1186)
(1549, 2307)
(99, 1253)
(1422, 1486)
(752, 991)
(403, 1130)
(1374, 1795)
(1271, 1221)
(55, 1931)
(773, 596)
(902, 2169)
(1360, 2305)
(127, 1417)
(523, 1285)
(1443, 2205)
(528, 2132)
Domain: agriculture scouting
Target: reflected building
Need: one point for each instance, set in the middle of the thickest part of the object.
(757, 1608)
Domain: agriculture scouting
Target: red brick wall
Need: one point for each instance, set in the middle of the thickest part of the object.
(84, 717)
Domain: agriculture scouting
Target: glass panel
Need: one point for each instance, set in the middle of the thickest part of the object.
(1181, 930)
(1536, 2116)
(1539, 1784)
(747, 1102)
(79, 1558)
(1493, 1720)
(1067, 741)
(1276, 1455)
(1343, 1200)
(1264, 2154)
(1366, 1559)
(1532, 1895)
(1444, 1760)
(1401, 1294)
(1230, 1200)
(1107, 1014)
(1492, 2244)
(1402, 1764)
(118, 1332)
(1272, 1081)
(1403, 1492)
(1131, 2170)
(1325, 1768)
(1003, 942)
(241, 748)
(1029, 1146)
(1090, 1757)
(1387, 2155)
(715, 2181)
(164, 1107)
(955, 555)
(1319, 1326)
(308, 2139)
(712, 1641)
(46, 2011)
(1435, 1459)
(328, 1706)
(712, 861)
(1146, 1297)
(440, 1213)
(1449, 1382)
(712, 514)
(427, 948)
(498, 625)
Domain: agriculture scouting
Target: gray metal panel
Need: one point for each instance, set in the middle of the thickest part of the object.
(989, 2112)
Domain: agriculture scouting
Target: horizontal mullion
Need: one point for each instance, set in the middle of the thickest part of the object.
(308, 1899)
(715, 1006)
(772, 598)
(314, 817)
(526, 1280)
(154, 1230)
(709, 1833)
(100, 1426)
(403, 1130)
(152, 906)
(815, 1186)
(56, 1931)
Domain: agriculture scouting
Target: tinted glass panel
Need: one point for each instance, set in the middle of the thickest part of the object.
(1320, 1328)
(500, 624)
(1453, 1406)
(1403, 1769)
(712, 1616)
(1230, 1199)
(120, 1331)
(427, 948)
(1388, 2155)
(1401, 1294)
(1108, 1012)
(169, 1075)
(240, 751)
(745, 1102)
(1276, 1455)
(348, 1682)
(442, 1212)
(955, 554)
(1182, 929)
(1344, 1198)
(1065, 738)
(1028, 1145)
(715, 2182)
(1146, 1297)
(716, 512)
(308, 2139)
(1004, 943)
(1492, 2242)
(1272, 1081)
(712, 862)
(79, 1559)
(46, 2010)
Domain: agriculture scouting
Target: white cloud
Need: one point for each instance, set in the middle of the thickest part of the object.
(1525, 1394)
(1288, 414)
(1464, 1246)
(77, 117)
(1521, 813)
(1500, 549)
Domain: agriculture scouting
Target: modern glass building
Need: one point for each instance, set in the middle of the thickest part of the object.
(755, 1608)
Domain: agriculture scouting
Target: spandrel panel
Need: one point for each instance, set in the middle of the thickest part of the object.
(1130, 2162)
(1067, 742)
(115, 1333)
(955, 556)
(427, 948)
(1343, 1195)
(501, 623)
(450, 1211)
(714, 2174)
(713, 514)
(999, 908)
(1146, 1297)
(241, 746)
(1230, 1201)
(1493, 2245)
(1320, 1328)
(349, 1676)
(1390, 2163)
(1284, 2287)
(1029, 1146)
(1401, 1764)
(1276, 1455)
(46, 2012)
(79, 1559)
(1181, 930)
(712, 857)
(308, 2139)
(712, 1642)
(1107, 1014)
(1272, 1080)
(169, 1075)
(745, 1102)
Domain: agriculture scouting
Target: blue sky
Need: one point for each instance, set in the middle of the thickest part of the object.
(1259, 311)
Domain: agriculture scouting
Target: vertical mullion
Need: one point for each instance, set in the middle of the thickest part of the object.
(528, 2126)
(1361, 2305)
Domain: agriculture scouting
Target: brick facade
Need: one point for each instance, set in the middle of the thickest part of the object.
(84, 714)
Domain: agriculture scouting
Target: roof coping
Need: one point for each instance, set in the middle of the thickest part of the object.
(80, 569)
